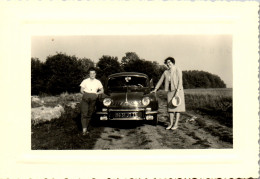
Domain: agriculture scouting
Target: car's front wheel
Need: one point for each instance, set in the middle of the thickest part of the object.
(95, 121)
(155, 120)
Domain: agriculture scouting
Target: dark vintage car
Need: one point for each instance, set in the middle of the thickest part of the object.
(128, 97)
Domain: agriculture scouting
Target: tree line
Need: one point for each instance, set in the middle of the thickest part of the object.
(64, 73)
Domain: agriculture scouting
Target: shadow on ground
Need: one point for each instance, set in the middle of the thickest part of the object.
(121, 124)
(64, 133)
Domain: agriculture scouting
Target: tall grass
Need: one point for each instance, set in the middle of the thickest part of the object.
(208, 101)
(52, 101)
(210, 91)
(215, 102)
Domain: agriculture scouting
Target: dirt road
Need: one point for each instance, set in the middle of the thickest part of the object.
(191, 134)
(202, 133)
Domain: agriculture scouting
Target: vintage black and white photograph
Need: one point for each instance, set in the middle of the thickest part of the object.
(113, 92)
(129, 89)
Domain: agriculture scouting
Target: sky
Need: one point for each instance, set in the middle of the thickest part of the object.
(211, 53)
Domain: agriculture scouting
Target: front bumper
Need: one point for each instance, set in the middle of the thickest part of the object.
(141, 114)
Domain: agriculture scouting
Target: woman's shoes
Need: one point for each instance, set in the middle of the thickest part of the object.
(174, 128)
(168, 128)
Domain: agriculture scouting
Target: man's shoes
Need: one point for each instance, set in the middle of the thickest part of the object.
(85, 133)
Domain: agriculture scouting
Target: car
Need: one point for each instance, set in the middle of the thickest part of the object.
(128, 96)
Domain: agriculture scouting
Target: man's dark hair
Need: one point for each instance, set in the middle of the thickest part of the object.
(169, 58)
(92, 69)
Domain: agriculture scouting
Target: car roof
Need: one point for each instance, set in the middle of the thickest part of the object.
(128, 74)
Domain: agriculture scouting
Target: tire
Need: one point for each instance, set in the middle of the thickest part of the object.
(95, 121)
(155, 120)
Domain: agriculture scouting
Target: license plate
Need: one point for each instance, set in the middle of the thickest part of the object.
(126, 115)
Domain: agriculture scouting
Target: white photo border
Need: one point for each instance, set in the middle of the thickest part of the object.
(21, 21)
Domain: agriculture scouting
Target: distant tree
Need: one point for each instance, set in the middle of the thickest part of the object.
(152, 69)
(201, 79)
(132, 63)
(61, 72)
(129, 58)
(64, 73)
(37, 77)
(135, 66)
(84, 64)
(107, 65)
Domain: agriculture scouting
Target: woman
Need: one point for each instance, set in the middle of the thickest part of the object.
(174, 87)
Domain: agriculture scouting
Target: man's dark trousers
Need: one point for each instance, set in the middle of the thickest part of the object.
(87, 108)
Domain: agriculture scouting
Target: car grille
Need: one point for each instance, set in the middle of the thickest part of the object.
(129, 103)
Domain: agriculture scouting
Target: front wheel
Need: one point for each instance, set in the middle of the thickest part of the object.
(155, 120)
(95, 121)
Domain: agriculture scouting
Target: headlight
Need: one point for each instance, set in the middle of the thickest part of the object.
(146, 101)
(107, 101)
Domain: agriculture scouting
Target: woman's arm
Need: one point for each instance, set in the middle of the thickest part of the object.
(159, 82)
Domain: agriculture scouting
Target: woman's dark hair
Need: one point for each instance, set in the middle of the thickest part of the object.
(169, 58)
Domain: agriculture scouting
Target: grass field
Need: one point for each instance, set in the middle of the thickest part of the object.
(214, 102)
(218, 99)
(227, 92)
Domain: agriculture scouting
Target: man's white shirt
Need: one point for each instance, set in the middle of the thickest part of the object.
(91, 86)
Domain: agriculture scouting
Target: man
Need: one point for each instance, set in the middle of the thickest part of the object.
(90, 88)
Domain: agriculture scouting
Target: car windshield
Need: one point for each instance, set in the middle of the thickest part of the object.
(127, 82)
